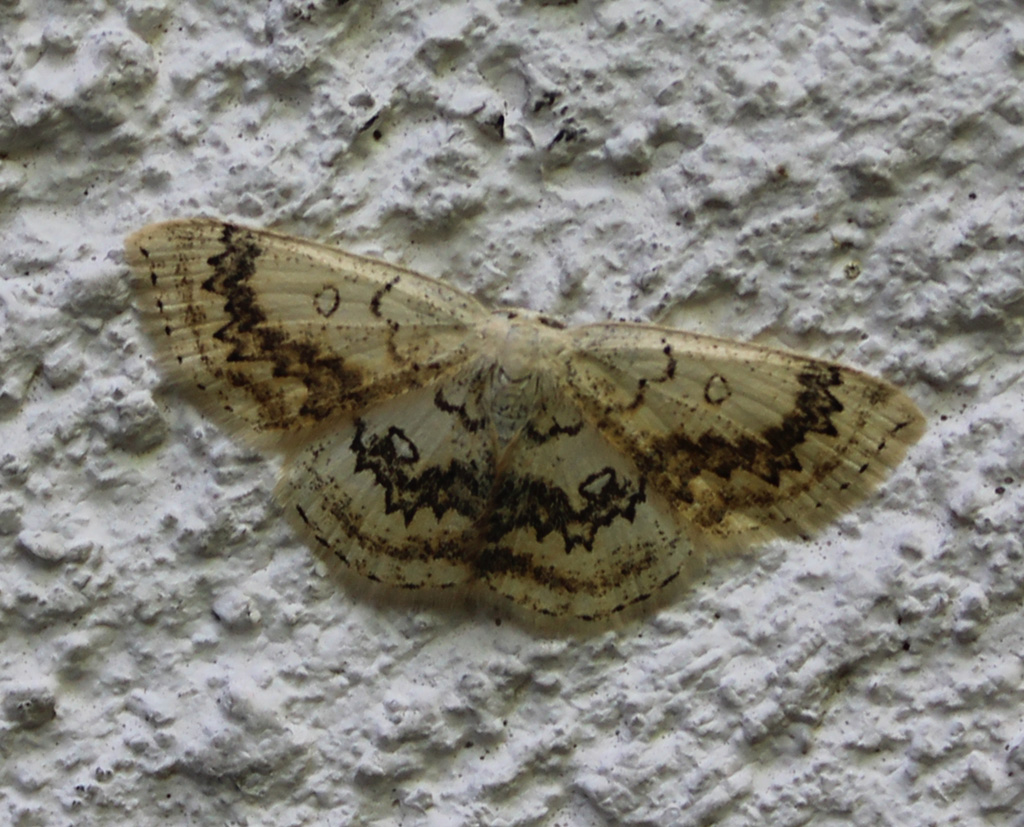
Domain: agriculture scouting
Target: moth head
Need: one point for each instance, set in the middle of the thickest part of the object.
(519, 342)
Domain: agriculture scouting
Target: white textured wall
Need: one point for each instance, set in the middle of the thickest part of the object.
(840, 178)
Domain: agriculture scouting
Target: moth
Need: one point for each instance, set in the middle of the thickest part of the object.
(432, 443)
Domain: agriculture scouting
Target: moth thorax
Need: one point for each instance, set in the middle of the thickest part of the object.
(521, 347)
(521, 343)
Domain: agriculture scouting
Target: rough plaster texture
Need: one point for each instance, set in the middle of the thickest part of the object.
(840, 178)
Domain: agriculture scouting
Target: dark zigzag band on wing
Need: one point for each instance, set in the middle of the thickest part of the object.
(252, 338)
(517, 501)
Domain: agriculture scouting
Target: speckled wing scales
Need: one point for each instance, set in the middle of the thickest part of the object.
(575, 531)
(395, 495)
(274, 334)
(745, 442)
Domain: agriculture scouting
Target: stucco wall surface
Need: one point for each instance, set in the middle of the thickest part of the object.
(839, 178)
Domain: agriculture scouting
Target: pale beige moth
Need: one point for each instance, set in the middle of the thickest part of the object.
(430, 442)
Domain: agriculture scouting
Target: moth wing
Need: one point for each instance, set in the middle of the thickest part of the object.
(575, 531)
(745, 442)
(274, 334)
(396, 494)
